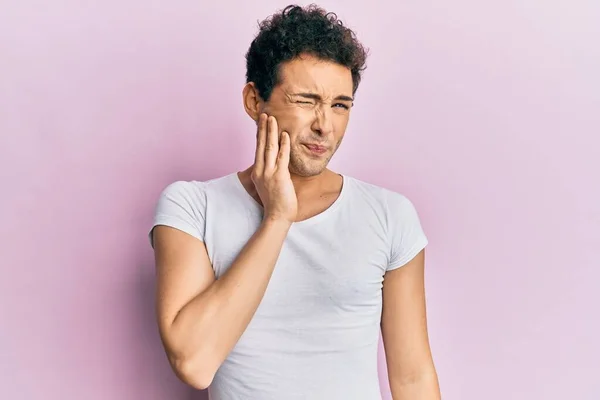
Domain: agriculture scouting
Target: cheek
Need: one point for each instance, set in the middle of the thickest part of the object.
(294, 140)
(340, 122)
(295, 122)
(299, 115)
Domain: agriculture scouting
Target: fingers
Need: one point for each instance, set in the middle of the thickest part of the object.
(272, 144)
(272, 150)
(283, 160)
(261, 139)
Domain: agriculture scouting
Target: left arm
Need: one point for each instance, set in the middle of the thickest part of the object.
(411, 370)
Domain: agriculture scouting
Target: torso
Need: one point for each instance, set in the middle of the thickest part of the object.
(315, 333)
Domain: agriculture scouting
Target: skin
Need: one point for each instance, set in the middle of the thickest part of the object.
(200, 318)
(411, 371)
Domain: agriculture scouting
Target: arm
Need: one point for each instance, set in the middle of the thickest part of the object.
(411, 370)
(201, 319)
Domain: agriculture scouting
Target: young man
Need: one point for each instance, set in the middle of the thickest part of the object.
(274, 282)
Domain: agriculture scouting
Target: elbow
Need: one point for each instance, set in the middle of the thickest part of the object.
(198, 375)
(193, 363)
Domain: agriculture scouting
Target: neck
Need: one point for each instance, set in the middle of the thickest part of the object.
(305, 186)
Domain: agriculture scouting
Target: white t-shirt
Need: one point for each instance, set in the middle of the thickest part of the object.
(315, 333)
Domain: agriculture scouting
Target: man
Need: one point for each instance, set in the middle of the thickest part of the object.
(274, 282)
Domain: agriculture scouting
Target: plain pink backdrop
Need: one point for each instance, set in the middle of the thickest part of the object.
(485, 113)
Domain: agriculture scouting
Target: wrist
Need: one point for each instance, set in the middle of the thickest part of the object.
(277, 223)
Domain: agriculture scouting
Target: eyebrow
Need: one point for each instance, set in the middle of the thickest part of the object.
(315, 96)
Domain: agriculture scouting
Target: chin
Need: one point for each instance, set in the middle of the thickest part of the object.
(307, 168)
(308, 173)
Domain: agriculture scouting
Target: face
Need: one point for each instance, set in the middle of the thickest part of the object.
(312, 103)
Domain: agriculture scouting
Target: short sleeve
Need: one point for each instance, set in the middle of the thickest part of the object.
(182, 205)
(406, 234)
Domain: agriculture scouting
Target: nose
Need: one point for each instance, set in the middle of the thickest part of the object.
(323, 123)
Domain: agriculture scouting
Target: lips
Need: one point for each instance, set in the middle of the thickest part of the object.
(316, 148)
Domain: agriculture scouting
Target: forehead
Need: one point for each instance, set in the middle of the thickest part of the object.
(309, 73)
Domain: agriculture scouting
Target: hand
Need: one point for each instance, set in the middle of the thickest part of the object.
(270, 173)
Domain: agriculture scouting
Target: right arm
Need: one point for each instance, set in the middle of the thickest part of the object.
(200, 318)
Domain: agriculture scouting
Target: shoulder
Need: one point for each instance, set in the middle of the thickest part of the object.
(387, 199)
(193, 192)
(397, 213)
(189, 198)
(182, 205)
(184, 189)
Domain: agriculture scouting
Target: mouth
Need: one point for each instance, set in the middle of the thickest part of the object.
(315, 148)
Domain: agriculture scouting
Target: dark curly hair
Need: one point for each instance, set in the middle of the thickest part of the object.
(295, 31)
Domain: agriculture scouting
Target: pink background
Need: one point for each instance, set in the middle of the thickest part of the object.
(486, 114)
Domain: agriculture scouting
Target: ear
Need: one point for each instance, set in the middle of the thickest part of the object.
(253, 103)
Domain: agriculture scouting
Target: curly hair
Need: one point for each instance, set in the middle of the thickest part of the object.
(294, 31)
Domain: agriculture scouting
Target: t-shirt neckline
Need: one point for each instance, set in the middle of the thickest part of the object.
(309, 221)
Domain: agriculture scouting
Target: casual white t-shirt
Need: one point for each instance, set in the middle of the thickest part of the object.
(315, 333)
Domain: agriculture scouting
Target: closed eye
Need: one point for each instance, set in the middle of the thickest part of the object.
(336, 105)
